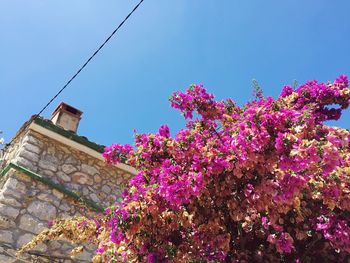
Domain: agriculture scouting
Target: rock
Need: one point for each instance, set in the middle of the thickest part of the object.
(49, 162)
(11, 183)
(57, 194)
(67, 247)
(24, 239)
(40, 247)
(111, 199)
(89, 169)
(120, 180)
(71, 160)
(30, 156)
(64, 207)
(85, 191)
(91, 246)
(24, 178)
(32, 148)
(20, 187)
(31, 224)
(42, 187)
(54, 245)
(68, 168)
(9, 201)
(8, 211)
(46, 173)
(82, 178)
(84, 256)
(9, 192)
(51, 150)
(97, 178)
(63, 176)
(7, 259)
(76, 187)
(25, 163)
(45, 197)
(6, 236)
(106, 189)
(102, 196)
(6, 223)
(31, 139)
(41, 210)
(94, 198)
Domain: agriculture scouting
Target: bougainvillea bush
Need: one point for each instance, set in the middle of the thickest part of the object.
(266, 182)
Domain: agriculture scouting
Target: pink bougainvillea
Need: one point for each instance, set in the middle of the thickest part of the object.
(266, 182)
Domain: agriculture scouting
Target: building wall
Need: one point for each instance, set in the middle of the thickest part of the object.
(27, 205)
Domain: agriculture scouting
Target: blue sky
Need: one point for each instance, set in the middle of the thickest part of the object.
(165, 46)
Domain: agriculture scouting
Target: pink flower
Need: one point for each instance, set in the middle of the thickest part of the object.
(265, 222)
(285, 243)
(286, 91)
(164, 131)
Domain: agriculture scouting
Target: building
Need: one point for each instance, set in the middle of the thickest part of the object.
(48, 171)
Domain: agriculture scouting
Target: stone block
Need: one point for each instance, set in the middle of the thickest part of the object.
(4, 258)
(90, 170)
(42, 210)
(11, 183)
(82, 178)
(85, 191)
(47, 173)
(30, 156)
(6, 223)
(9, 201)
(24, 239)
(6, 237)
(63, 176)
(106, 189)
(48, 162)
(54, 245)
(45, 195)
(84, 256)
(95, 198)
(69, 168)
(8, 211)
(48, 197)
(57, 194)
(102, 195)
(32, 148)
(97, 178)
(72, 160)
(64, 207)
(31, 139)
(25, 163)
(30, 224)
(9, 192)
(24, 178)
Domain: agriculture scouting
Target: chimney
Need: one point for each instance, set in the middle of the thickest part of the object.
(66, 117)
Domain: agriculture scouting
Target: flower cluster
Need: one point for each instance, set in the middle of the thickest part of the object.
(117, 153)
(266, 182)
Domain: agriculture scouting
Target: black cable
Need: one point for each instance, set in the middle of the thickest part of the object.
(79, 70)
(90, 58)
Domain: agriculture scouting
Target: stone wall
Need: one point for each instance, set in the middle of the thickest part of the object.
(27, 205)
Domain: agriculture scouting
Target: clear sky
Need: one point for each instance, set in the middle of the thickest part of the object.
(165, 46)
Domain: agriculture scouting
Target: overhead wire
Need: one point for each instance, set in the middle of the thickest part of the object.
(78, 71)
